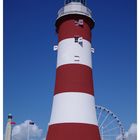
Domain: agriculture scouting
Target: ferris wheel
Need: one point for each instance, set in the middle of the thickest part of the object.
(109, 124)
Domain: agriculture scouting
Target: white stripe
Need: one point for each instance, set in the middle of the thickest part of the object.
(8, 130)
(73, 107)
(70, 51)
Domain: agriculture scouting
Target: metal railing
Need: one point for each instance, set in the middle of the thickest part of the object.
(85, 12)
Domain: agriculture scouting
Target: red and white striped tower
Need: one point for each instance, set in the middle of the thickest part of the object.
(73, 114)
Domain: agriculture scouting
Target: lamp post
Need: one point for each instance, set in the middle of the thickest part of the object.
(28, 129)
(28, 132)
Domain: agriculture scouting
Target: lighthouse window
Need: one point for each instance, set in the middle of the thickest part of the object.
(76, 58)
(79, 22)
(76, 39)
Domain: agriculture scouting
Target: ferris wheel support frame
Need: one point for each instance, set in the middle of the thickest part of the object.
(101, 127)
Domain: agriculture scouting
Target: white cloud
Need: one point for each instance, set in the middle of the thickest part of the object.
(20, 131)
(131, 134)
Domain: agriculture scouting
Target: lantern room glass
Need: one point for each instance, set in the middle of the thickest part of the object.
(81, 1)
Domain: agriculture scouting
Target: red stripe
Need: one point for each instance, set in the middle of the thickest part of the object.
(73, 131)
(87, 19)
(74, 78)
(68, 29)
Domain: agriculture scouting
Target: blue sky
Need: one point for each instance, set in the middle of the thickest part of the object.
(30, 62)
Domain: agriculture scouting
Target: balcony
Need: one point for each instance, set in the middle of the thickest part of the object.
(74, 8)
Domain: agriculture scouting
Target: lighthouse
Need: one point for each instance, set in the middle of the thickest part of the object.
(8, 127)
(73, 115)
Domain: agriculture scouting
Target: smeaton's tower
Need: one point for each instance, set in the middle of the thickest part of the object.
(73, 114)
